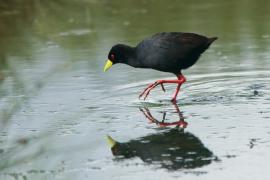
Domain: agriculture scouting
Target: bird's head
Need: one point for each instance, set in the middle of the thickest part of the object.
(119, 53)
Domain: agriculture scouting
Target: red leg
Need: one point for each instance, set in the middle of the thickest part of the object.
(180, 80)
(183, 79)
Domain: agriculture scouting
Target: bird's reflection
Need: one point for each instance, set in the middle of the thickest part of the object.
(171, 148)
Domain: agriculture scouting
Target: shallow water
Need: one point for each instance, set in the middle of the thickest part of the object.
(57, 105)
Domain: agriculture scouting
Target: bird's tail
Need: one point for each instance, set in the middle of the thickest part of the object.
(211, 40)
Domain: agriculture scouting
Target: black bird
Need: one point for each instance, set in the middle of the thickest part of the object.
(166, 51)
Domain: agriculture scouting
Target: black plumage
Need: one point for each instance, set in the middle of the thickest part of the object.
(167, 52)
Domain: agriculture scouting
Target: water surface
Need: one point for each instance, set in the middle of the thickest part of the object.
(57, 105)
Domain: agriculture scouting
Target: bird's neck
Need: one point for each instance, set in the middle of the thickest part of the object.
(132, 61)
(130, 57)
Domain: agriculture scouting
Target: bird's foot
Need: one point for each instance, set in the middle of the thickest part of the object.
(150, 87)
(173, 100)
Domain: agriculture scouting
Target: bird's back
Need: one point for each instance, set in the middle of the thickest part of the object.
(171, 51)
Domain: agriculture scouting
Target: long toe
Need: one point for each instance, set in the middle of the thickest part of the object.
(162, 87)
(147, 88)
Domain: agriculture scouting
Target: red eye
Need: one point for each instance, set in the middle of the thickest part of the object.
(112, 56)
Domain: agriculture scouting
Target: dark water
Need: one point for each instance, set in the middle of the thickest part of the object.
(57, 106)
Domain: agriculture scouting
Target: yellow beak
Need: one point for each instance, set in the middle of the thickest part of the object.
(108, 65)
(111, 141)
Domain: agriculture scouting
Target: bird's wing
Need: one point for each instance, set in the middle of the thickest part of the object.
(172, 42)
(183, 42)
